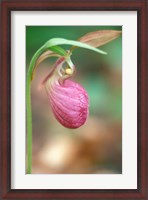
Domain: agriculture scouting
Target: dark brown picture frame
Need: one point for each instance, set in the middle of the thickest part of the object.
(141, 6)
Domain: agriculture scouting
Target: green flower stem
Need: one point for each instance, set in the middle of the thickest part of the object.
(28, 105)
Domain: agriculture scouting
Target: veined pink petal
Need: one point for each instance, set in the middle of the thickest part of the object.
(69, 103)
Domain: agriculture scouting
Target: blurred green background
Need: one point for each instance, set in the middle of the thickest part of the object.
(96, 147)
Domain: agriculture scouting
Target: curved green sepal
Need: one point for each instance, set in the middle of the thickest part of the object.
(58, 50)
(60, 41)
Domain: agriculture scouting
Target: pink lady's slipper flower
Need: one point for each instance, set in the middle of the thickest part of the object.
(68, 100)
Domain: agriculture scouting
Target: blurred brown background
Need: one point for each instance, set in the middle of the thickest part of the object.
(96, 147)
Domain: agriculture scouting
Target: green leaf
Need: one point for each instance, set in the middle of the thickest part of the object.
(99, 38)
(61, 41)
